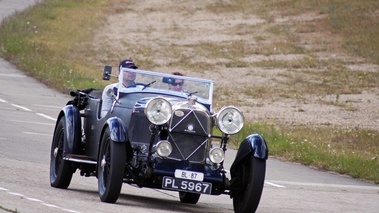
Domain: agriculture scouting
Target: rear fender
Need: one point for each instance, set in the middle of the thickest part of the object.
(254, 145)
(72, 126)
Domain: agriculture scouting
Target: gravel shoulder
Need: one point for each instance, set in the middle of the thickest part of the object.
(166, 32)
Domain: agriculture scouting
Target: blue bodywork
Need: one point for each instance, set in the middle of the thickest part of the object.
(94, 143)
(72, 127)
(254, 145)
(117, 129)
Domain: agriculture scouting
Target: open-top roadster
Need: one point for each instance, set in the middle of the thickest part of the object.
(157, 138)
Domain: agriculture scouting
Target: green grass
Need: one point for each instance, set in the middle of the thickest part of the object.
(46, 42)
(53, 42)
(9, 210)
(347, 151)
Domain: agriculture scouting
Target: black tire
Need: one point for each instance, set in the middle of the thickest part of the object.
(60, 169)
(251, 177)
(110, 167)
(186, 197)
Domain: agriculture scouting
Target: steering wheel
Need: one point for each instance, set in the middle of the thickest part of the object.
(136, 84)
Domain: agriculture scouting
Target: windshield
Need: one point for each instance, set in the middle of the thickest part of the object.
(132, 80)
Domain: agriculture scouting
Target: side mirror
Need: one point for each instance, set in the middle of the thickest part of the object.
(107, 73)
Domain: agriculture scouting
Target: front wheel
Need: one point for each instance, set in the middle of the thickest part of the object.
(110, 167)
(60, 170)
(250, 178)
(186, 197)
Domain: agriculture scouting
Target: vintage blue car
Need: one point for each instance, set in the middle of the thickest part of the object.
(155, 137)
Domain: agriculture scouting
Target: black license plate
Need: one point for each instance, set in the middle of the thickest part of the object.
(186, 185)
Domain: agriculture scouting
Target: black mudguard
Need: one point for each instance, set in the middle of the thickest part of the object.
(254, 145)
(73, 128)
(119, 134)
(117, 129)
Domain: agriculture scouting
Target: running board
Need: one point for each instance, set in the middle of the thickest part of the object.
(79, 159)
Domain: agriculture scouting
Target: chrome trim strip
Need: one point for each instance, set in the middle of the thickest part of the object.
(80, 160)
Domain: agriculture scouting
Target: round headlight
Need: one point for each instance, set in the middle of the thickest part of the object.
(230, 120)
(158, 111)
(217, 155)
(164, 148)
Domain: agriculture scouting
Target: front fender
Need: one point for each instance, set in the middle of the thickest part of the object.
(119, 134)
(118, 131)
(72, 128)
(253, 145)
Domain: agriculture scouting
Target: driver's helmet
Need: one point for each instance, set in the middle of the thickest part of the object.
(127, 64)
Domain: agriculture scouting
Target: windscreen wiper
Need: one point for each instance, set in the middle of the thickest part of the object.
(147, 85)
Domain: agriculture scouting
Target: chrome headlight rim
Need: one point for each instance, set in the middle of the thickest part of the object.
(163, 148)
(230, 120)
(216, 155)
(158, 111)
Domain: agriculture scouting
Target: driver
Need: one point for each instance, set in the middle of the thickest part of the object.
(176, 84)
(128, 80)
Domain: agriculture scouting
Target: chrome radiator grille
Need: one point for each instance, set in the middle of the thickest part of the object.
(189, 132)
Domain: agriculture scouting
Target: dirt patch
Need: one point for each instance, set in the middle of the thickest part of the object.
(166, 32)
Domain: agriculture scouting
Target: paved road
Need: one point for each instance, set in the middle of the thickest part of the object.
(27, 117)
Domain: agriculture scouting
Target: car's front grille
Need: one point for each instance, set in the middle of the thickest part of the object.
(189, 132)
(188, 147)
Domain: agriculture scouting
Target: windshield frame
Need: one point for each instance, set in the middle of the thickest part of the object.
(206, 84)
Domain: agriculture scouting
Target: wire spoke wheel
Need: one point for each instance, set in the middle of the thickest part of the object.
(110, 167)
(60, 170)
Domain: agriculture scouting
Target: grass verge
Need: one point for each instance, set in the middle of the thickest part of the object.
(353, 152)
(46, 42)
(9, 210)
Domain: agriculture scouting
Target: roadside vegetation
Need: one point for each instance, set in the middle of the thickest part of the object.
(352, 152)
(43, 42)
(53, 43)
(9, 210)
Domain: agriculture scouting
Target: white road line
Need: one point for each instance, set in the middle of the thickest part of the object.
(50, 205)
(16, 194)
(37, 200)
(34, 199)
(46, 116)
(266, 182)
(35, 133)
(21, 107)
(48, 106)
(273, 184)
(330, 185)
(13, 75)
(31, 122)
(29, 110)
